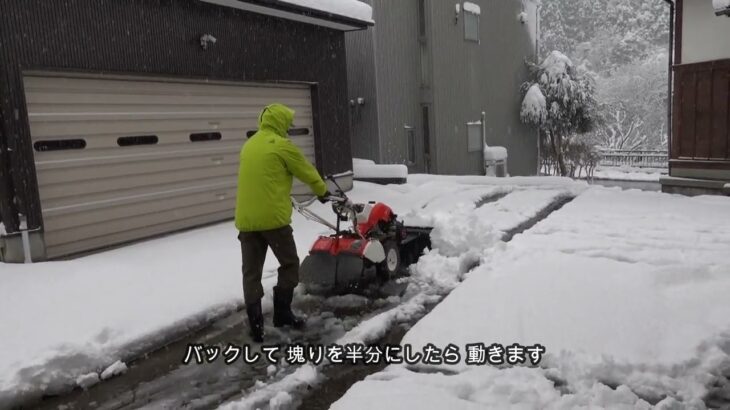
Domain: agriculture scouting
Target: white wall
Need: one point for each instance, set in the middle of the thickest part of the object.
(706, 37)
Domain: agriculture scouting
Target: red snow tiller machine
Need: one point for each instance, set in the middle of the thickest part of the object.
(376, 248)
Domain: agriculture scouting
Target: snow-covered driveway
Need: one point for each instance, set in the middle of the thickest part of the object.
(69, 320)
(627, 290)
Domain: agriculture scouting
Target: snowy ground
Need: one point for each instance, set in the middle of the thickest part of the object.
(627, 291)
(76, 321)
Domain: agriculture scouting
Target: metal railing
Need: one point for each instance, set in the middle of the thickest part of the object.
(636, 159)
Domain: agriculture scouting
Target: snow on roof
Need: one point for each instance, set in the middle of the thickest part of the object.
(353, 9)
(472, 8)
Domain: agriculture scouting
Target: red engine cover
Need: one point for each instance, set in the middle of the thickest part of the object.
(335, 246)
(379, 213)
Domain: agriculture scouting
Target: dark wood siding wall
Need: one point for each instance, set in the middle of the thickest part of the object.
(160, 37)
(701, 124)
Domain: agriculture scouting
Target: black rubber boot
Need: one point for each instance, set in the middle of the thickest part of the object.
(283, 316)
(255, 321)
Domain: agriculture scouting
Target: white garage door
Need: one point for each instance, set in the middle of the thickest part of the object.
(123, 159)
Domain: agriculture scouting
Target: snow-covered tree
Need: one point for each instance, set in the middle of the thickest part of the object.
(560, 103)
(609, 34)
(635, 110)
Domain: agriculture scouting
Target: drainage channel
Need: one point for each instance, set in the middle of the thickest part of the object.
(340, 378)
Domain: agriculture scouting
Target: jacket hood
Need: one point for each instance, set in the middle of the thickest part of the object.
(277, 118)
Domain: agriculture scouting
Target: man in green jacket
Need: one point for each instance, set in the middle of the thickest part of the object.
(269, 161)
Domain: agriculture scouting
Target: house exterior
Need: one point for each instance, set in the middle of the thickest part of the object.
(700, 144)
(420, 80)
(123, 119)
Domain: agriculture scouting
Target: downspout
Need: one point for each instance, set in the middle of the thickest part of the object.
(670, 76)
(537, 61)
(484, 141)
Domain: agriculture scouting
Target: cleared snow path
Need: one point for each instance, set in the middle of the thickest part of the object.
(465, 228)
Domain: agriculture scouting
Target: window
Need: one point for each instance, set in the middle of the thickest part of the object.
(293, 132)
(411, 141)
(206, 136)
(474, 135)
(471, 22)
(59, 145)
(137, 140)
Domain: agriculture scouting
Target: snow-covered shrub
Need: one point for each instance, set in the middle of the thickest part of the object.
(560, 103)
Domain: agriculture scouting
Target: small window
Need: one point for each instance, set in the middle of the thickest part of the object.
(295, 132)
(206, 136)
(59, 145)
(422, 19)
(137, 140)
(411, 140)
(471, 25)
(474, 131)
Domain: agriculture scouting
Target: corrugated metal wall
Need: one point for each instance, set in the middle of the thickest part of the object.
(362, 84)
(8, 214)
(465, 78)
(396, 57)
(162, 37)
(473, 77)
(398, 76)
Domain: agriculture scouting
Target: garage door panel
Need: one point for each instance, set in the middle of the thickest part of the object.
(68, 205)
(72, 218)
(115, 238)
(104, 194)
(149, 86)
(139, 221)
(86, 172)
(121, 128)
(114, 156)
(225, 114)
(150, 182)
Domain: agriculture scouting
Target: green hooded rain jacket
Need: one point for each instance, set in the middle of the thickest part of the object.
(269, 160)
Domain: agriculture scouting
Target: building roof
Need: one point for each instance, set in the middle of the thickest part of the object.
(345, 15)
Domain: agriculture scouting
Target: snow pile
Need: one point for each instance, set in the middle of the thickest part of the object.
(353, 9)
(495, 153)
(611, 286)
(472, 8)
(482, 388)
(277, 395)
(366, 169)
(721, 5)
(534, 106)
(556, 66)
(115, 369)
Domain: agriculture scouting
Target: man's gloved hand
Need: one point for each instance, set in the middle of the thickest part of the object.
(324, 198)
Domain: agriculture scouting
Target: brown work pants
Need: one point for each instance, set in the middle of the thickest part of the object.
(254, 246)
